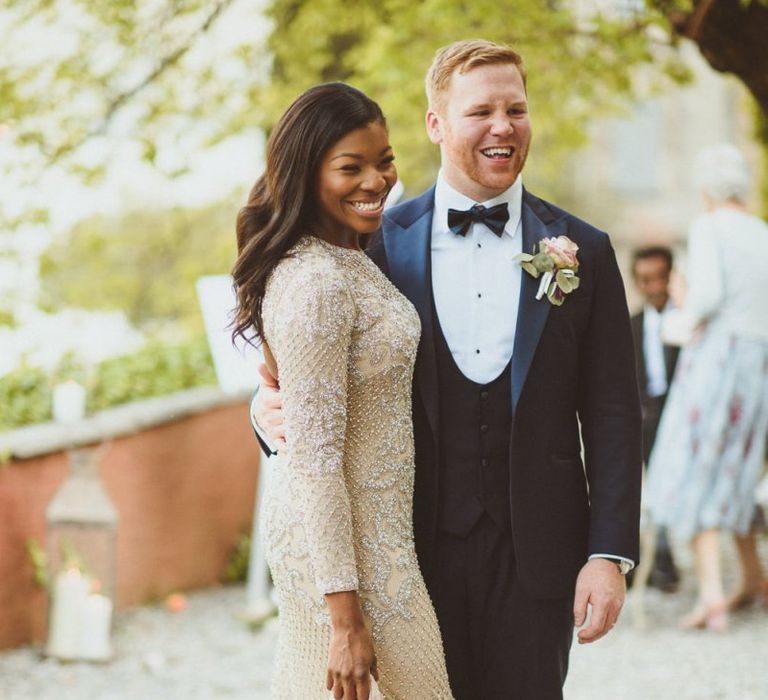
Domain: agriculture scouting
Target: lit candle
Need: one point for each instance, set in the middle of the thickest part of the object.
(68, 402)
(96, 623)
(69, 592)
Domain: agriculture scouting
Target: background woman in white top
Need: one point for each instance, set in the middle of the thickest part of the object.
(708, 456)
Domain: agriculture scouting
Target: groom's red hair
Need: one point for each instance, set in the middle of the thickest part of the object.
(463, 56)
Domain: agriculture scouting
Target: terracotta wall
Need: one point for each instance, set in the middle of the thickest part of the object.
(184, 492)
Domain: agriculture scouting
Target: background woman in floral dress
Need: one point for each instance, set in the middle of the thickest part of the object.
(708, 456)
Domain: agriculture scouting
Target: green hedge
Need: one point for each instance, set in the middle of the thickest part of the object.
(156, 370)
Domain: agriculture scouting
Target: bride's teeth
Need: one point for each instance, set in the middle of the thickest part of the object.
(367, 206)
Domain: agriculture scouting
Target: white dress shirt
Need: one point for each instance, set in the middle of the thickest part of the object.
(476, 283)
(653, 352)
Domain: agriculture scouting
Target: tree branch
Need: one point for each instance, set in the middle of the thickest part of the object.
(123, 98)
(696, 19)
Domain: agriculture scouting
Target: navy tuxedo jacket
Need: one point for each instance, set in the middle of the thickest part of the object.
(573, 375)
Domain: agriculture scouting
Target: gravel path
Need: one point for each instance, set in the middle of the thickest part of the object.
(207, 652)
(663, 662)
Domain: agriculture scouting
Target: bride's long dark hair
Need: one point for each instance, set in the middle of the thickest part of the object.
(283, 202)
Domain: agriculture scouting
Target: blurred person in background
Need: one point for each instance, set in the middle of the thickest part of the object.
(656, 361)
(709, 451)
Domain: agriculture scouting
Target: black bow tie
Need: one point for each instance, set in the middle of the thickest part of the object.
(495, 218)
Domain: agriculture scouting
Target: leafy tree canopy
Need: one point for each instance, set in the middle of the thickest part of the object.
(144, 263)
(186, 73)
(172, 76)
(578, 66)
(176, 75)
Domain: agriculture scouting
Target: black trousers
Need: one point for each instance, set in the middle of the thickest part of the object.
(500, 643)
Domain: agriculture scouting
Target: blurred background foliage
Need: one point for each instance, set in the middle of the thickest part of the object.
(152, 64)
(144, 263)
(156, 370)
(176, 77)
(157, 72)
(577, 68)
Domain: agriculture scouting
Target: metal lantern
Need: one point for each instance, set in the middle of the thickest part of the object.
(81, 552)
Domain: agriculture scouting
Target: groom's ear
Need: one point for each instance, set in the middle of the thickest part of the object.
(434, 127)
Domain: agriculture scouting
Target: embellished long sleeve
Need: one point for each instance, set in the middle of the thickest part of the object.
(308, 317)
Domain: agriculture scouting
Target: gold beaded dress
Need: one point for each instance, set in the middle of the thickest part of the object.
(337, 515)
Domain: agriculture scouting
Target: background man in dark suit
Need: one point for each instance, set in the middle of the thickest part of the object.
(517, 533)
(651, 269)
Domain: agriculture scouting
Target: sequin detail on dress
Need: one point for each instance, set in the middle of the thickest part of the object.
(337, 514)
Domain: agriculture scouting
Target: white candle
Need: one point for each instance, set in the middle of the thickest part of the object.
(96, 623)
(69, 592)
(68, 402)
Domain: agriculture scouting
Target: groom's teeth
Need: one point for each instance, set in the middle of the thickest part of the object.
(367, 206)
(497, 151)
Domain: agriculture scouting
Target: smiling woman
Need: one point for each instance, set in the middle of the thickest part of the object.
(331, 142)
(355, 178)
(355, 616)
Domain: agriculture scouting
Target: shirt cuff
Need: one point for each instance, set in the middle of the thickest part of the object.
(613, 557)
(257, 428)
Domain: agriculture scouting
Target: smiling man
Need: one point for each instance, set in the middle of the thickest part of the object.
(525, 405)
(512, 546)
(480, 119)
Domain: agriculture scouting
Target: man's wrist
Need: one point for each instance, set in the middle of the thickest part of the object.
(623, 564)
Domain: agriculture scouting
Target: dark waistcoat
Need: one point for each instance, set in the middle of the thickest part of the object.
(474, 445)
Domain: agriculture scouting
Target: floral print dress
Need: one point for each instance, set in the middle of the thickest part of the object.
(710, 449)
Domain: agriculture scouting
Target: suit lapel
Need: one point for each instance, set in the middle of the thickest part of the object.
(407, 235)
(537, 223)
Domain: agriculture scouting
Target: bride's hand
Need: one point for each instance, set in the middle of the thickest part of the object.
(351, 659)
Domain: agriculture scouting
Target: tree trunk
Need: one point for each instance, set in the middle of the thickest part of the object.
(732, 35)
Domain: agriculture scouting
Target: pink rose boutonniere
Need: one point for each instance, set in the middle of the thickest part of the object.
(556, 264)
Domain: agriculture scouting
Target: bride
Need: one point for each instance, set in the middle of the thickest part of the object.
(342, 342)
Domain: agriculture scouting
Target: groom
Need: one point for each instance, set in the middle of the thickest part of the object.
(517, 527)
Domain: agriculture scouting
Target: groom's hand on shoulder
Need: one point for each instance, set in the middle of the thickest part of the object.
(267, 407)
(601, 586)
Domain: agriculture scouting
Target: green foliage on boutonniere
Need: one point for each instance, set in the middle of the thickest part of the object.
(556, 263)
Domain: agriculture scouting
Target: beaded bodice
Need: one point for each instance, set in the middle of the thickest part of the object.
(339, 515)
